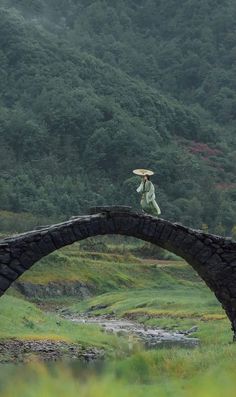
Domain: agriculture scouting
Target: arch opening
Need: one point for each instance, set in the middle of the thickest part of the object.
(212, 257)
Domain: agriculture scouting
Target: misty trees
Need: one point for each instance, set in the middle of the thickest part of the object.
(80, 109)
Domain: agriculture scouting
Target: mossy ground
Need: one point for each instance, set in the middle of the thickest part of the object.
(20, 319)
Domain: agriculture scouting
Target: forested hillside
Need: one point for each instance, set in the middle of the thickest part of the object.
(90, 90)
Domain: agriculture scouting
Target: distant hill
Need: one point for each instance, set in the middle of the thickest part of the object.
(79, 110)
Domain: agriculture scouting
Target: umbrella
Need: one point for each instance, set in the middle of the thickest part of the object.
(142, 172)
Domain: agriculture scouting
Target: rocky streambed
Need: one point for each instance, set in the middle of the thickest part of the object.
(150, 337)
(17, 351)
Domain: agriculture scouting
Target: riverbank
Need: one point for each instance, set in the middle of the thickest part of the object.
(150, 337)
(100, 345)
(16, 351)
(164, 372)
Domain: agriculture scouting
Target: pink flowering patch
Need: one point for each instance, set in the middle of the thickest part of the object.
(225, 186)
(203, 149)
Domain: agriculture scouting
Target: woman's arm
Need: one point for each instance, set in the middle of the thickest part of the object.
(140, 188)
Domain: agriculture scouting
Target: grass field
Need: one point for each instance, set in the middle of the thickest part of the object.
(208, 372)
(162, 293)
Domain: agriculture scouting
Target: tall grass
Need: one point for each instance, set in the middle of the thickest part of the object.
(165, 373)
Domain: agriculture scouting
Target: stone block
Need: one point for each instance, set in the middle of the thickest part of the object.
(7, 272)
(5, 258)
(139, 232)
(94, 227)
(149, 228)
(189, 249)
(173, 235)
(233, 303)
(27, 260)
(33, 237)
(17, 266)
(119, 222)
(196, 248)
(229, 256)
(208, 241)
(4, 283)
(180, 235)
(223, 295)
(77, 232)
(231, 286)
(102, 224)
(214, 262)
(46, 245)
(159, 229)
(110, 226)
(110, 208)
(4, 246)
(167, 230)
(67, 235)
(131, 226)
(83, 228)
(189, 242)
(228, 241)
(16, 251)
(204, 254)
(34, 247)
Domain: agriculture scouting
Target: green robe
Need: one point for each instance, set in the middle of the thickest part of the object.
(148, 202)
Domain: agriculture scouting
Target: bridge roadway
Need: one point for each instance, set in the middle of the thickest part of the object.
(213, 257)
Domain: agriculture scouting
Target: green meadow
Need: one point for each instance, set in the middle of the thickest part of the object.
(161, 293)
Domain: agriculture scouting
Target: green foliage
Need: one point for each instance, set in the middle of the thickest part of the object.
(85, 97)
(234, 232)
(21, 221)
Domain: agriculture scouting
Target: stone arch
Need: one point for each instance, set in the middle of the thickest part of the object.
(213, 257)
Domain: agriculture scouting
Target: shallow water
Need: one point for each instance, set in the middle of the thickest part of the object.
(16, 351)
(151, 337)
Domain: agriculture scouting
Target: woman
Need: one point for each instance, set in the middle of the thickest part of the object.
(146, 188)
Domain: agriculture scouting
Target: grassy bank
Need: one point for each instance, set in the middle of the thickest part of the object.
(167, 294)
(101, 271)
(20, 319)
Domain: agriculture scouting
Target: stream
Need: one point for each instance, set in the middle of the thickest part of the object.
(151, 337)
(21, 351)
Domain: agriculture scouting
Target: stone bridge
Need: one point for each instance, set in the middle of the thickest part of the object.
(213, 257)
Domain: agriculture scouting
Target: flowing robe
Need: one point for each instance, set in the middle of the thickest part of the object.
(148, 202)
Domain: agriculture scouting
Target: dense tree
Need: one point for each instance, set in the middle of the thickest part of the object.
(90, 90)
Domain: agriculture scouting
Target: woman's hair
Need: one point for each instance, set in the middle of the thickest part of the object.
(148, 176)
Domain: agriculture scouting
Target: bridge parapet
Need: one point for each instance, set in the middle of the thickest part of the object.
(111, 209)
